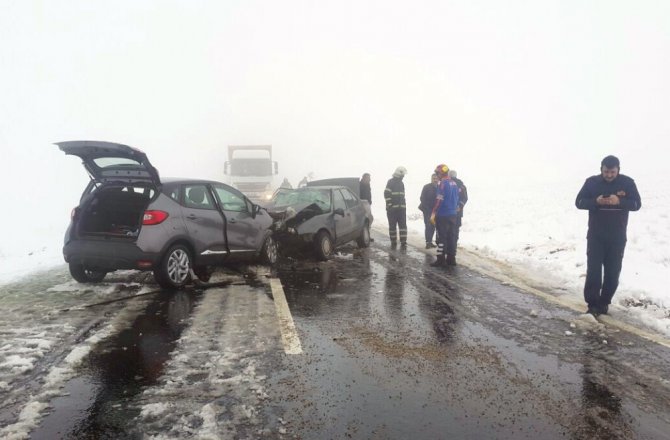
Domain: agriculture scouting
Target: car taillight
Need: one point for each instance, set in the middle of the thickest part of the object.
(154, 217)
(74, 212)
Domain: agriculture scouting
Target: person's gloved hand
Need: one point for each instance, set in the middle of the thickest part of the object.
(432, 219)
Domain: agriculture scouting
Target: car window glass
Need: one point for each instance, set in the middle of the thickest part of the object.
(230, 201)
(174, 194)
(104, 162)
(197, 196)
(338, 200)
(143, 190)
(349, 198)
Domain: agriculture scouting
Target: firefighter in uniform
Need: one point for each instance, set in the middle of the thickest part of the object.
(396, 208)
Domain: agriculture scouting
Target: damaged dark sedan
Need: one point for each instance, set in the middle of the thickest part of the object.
(319, 218)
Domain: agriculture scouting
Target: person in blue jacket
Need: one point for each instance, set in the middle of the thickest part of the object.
(609, 197)
(445, 218)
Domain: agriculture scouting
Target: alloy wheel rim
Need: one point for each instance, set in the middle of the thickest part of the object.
(326, 246)
(178, 266)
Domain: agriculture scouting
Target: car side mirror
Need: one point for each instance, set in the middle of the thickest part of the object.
(339, 211)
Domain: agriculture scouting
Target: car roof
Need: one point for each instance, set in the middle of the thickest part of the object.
(175, 180)
(305, 188)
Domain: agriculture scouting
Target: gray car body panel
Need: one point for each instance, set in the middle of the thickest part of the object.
(216, 236)
(342, 229)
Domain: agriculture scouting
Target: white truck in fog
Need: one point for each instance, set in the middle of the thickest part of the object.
(250, 169)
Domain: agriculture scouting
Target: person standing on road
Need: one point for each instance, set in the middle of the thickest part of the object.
(286, 184)
(364, 188)
(445, 218)
(608, 197)
(428, 196)
(396, 208)
(462, 200)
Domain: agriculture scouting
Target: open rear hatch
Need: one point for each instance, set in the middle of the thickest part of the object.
(124, 183)
(107, 161)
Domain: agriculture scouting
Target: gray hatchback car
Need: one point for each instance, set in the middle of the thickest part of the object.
(130, 218)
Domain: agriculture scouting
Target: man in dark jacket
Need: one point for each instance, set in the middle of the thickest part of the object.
(608, 197)
(428, 195)
(462, 200)
(396, 208)
(364, 188)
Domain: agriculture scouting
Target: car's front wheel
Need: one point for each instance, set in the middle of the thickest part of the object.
(323, 245)
(174, 271)
(85, 275)
(363, 239)
(269, 253)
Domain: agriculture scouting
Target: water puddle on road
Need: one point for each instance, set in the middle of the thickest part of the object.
(93, 405)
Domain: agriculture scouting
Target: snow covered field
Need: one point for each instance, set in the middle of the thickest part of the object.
(537, 228)
(532, 226)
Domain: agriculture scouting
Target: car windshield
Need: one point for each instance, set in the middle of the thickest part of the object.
(304, 196)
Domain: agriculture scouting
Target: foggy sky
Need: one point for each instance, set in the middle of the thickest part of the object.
(513, 89)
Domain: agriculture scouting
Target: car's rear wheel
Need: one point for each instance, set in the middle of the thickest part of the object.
(174, 271)
(363, 239)
(85, 275)
(323, 245)
(269, 253)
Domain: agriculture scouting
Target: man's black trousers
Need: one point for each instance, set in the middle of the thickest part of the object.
(446, 235)
(397, 217)
(429, 227)
(602, 253)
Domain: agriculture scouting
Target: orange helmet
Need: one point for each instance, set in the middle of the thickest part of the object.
(441, 170)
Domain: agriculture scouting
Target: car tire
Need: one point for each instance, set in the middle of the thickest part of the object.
(84, 275)
(174, 270)
(269, 252)
(323, 246)
(363, 239)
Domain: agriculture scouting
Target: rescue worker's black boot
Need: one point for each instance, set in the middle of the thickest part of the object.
(440, 262)
(394, 244)
(451, 260)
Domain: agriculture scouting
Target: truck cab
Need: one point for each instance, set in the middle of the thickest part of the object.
(250, 169)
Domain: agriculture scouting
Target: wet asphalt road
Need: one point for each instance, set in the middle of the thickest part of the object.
(392, 348)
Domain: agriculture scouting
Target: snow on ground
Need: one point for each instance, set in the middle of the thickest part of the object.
(535, 227)
(27, 340)
(538, 229)
(205, 389)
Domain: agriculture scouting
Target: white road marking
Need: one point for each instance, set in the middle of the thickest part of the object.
(289, 335)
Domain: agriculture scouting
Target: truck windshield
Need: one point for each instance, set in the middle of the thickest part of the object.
(251, 167)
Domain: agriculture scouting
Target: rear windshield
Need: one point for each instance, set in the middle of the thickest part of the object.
(289, 197)
(105, 162)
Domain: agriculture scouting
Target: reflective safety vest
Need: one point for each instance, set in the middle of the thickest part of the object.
(394, 194)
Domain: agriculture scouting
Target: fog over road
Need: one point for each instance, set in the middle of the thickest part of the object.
(390, 348)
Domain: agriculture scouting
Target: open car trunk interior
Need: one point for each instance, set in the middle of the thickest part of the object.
(114, 211)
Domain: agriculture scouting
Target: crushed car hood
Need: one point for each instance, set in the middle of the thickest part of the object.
(294, 215)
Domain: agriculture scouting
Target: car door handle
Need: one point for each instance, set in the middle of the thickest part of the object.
(232, 220)
(191, 216)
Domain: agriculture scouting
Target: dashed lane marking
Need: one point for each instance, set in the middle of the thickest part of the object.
(289, 335)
